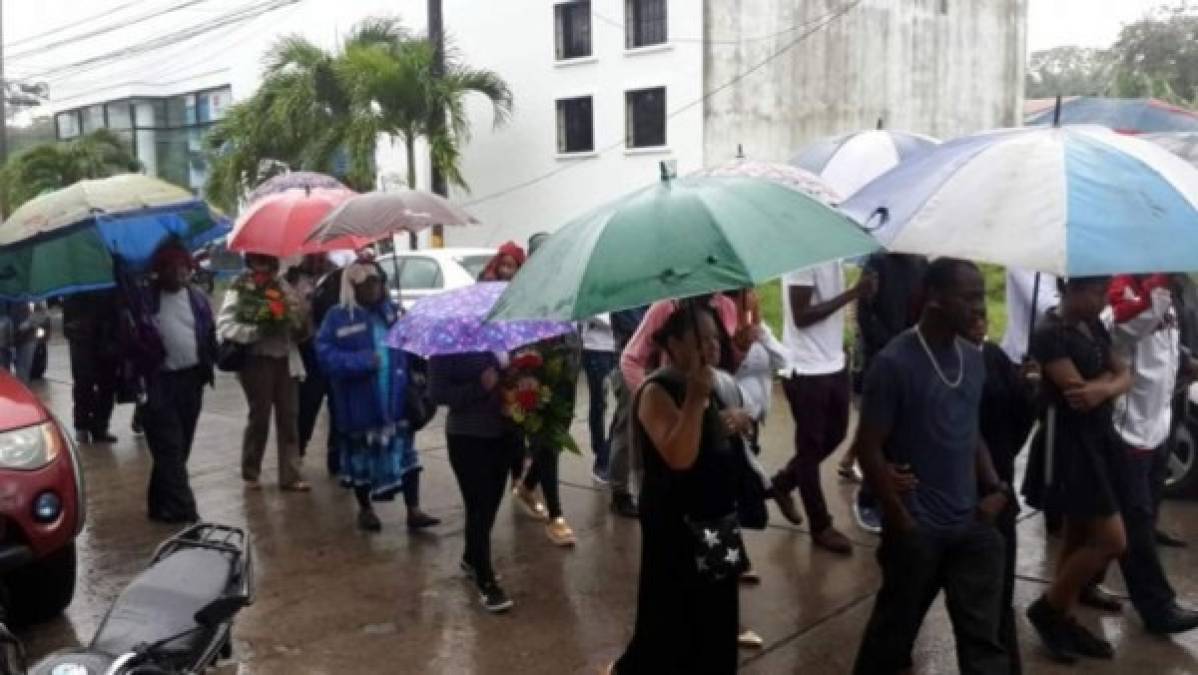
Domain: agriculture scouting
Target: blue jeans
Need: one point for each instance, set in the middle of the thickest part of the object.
(598, 365)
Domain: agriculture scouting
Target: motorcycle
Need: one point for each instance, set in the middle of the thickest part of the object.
(175, 618)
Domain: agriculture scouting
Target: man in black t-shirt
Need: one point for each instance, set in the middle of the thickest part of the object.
(918, 442)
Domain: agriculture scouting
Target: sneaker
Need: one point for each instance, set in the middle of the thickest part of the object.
(850, 473)
(599, 475)
(560, 533)
(1053, 629)
(833, 540)
(527, 499)
(103, 437)
(493, 599)
(622, 504)
(868, 518)
(1086, 643)
(368, 521)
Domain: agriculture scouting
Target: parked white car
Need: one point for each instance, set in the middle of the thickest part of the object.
(429, 271)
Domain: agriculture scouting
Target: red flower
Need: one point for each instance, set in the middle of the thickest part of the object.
(528, 399)
(527, 361)
(277, 308)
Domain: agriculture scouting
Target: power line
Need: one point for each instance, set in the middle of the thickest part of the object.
(74, 24)
(104, 30)
(154, 77)
(238, 16)
(829, 20)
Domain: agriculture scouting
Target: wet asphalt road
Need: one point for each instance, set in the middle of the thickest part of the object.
(334, 600)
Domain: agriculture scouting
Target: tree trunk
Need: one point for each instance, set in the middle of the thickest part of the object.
(410, 145)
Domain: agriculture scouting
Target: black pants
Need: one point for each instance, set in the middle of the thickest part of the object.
(481, 466)
(1147, 584)
(94, 388)
(1008, 631)
(820, 407)
(543, 472)
(169, 419)
(312, 391)
(915, 567)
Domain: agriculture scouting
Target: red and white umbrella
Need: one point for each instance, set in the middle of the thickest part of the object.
(280, 224)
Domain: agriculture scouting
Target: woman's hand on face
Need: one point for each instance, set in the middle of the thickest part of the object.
(489, 379)
(700, 382)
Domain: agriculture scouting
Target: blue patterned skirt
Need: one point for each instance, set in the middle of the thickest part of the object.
(379, 459)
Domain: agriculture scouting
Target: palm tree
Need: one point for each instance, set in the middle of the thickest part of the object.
(314, 104)
(51, 166)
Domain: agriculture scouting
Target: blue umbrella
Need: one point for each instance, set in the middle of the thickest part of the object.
(1125, 115)
(1070, 201)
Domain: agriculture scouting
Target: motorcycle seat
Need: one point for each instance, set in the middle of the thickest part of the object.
(162, 602)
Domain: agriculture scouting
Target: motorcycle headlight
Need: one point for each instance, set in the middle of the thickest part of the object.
(29, 448)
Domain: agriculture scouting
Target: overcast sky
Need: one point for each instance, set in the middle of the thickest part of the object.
(1086, 23)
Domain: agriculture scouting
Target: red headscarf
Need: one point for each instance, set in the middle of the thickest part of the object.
(511, 250)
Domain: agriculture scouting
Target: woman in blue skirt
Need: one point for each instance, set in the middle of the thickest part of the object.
(368, 381)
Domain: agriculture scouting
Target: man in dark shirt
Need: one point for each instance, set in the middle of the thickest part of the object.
(919, 445)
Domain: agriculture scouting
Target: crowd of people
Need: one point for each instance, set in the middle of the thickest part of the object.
(1085, 377)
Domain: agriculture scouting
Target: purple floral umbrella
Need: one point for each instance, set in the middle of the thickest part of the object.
(295, 180)
(453, 322)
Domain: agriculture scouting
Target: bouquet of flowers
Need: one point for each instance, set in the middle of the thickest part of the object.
(537, 396)
(261, 302)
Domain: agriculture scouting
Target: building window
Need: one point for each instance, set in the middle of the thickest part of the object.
(575, 125)
(68, 124)
(645, 119)
(644, 23)
(573, 29)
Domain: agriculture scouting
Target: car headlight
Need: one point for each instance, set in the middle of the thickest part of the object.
(29, 448)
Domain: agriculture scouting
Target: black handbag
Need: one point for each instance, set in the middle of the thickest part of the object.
(231, 356)
(719, 550)
(419, 408)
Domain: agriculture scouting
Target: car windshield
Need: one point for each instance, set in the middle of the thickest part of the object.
(474, 264)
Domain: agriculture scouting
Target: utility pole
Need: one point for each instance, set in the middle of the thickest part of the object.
(436, 123)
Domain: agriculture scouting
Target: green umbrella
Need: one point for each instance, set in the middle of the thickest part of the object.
(679, 238)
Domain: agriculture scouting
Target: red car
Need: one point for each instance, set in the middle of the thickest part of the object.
(41, 507)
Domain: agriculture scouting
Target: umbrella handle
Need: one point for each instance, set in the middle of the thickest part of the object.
(881, 214)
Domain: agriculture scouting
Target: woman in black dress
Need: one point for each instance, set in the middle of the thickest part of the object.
(686, 622)
(1075, 460)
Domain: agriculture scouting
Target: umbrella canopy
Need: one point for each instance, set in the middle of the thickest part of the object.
(454, 323)
(295, 180)
(1184, 144)
(279, 224)
(66, 241)
(849, 161)
(375, 215)
(675, 239)
(1125, 115)
(1071, 201)
(792, 177)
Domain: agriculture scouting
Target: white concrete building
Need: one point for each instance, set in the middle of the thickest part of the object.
(605, 89)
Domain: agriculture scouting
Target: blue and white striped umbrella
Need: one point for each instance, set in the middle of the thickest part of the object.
(849, 161)
(1071, 201)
